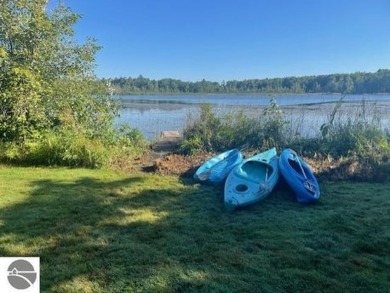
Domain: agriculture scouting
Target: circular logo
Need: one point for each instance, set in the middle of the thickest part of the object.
(21, 274)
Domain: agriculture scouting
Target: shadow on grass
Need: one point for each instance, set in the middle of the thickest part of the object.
(138, 234)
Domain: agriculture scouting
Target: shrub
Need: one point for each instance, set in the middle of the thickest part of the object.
(358, 135)
(273, 131)
(129, 138)
(67, 147)
(211, 133)
(201, 134)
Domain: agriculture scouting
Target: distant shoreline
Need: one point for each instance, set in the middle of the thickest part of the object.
(247, 94)
(354, 83)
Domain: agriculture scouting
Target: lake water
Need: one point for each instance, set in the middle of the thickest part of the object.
(305, 113)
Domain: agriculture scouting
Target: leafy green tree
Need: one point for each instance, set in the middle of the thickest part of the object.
(47, 79)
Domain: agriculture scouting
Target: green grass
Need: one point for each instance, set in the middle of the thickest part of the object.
(102, 231)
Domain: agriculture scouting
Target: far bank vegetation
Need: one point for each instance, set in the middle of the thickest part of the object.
(354, 83)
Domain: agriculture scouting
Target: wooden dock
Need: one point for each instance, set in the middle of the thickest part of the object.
(168, 142)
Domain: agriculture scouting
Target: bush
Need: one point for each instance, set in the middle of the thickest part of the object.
(68, 148)
(130, 138)
(272, 131)
(201, 134)
(211, 133)
(359, 135)
(60, 149)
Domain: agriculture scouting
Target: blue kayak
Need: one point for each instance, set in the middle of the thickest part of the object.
(252, 180)
(216, 169)
(299, 176)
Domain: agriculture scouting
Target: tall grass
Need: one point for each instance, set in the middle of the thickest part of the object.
(360, 134)
(65, 147)
(211, 132)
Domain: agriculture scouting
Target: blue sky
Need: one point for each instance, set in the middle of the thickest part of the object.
(235, 40)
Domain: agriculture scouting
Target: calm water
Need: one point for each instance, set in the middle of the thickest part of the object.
(306, 113)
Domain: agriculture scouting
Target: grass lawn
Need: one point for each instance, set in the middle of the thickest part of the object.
(102, 231)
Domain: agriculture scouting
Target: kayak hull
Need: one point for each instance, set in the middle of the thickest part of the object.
(217, 168)
(252, 180)
(299, 176)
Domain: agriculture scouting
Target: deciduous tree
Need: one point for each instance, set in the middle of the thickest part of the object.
(46, 77)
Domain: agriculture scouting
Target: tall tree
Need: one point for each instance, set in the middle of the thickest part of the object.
(47, 78)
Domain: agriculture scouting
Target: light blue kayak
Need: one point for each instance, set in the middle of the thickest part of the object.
(216, 169)
(252, 180)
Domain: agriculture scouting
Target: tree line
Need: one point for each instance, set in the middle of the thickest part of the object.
(354, 83)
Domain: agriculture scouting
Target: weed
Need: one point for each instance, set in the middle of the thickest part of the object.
(213, 133)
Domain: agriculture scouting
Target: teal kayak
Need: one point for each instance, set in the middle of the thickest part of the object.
(217, 168)
(252, 180)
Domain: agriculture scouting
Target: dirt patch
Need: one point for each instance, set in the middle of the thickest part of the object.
(175, 164)
(164, 158)
(324, 168)
(353, 168)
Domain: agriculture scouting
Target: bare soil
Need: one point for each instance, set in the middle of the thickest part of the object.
(164, 158)
(356, 169)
